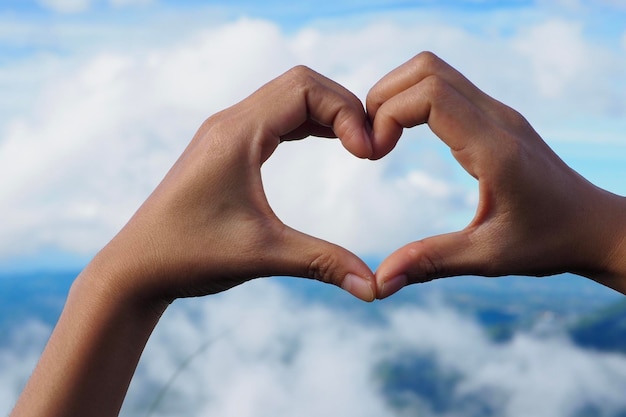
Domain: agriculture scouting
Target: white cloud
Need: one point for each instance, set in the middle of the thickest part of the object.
(319, 359)
(261, 361)
(19, 351)
(122, 119)
(94, 133)
(558, 55)
(569, 73)
(359, 204)
(554, 378)
(260, 350)
(119, 119)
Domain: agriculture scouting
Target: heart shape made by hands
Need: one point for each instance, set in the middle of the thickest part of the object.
(209, 219)
(528, 217)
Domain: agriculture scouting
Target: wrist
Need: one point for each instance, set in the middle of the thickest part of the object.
(614, 270)
(608, 244)
(118, 281)
(94, 349)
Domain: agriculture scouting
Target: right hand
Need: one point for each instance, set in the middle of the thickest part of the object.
(536, 216)
(208, 226)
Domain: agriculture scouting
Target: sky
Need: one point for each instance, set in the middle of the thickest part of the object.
(99, 98)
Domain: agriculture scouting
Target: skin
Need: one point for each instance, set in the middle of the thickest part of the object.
(536, 216)
(208, 227)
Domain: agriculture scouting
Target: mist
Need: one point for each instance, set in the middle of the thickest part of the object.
(264, 349)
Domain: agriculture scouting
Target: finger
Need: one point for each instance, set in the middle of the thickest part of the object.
(302, 98)
(334, 106)
(422, 69)
(301, 255)
(309, 128)
(440, 256)
(454, 119)
(417, 69)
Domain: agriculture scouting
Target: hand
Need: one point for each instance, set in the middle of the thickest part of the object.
(208, 225)
(535, 215)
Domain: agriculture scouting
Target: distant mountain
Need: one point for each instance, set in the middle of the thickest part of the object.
(503, 306)
(604, 330)
(417, 384)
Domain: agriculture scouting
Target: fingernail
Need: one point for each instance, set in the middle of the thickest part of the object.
(359, 287)
(393, 285)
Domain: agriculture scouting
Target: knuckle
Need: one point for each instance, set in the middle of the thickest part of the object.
(375, 97)
(373, 102)
(299, 71)
(512, 153)
(301, 81)
(300, 75)
(322, 268)
(430, 268)
(436, 88)
(517, 120)
(506, 154)
(428, 265)
(429, 61)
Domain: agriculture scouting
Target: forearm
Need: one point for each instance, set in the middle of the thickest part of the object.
(92, 354)
(206, 228)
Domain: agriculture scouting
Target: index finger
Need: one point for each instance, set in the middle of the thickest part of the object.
(302, 102)
(428, 90)
(458, 122)
(416, 70)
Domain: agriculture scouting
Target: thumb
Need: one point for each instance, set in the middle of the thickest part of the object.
(424, 260)
(301, 255)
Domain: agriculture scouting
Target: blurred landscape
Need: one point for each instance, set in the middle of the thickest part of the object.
(467, 346)
(99, 97)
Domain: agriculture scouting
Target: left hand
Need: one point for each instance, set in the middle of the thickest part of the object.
(536, 216)
(208, 226)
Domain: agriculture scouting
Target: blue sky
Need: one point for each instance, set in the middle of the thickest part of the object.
(99, 97)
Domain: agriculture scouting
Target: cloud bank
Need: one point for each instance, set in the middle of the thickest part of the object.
(88, 133)
(281, 356)
(259, 350)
